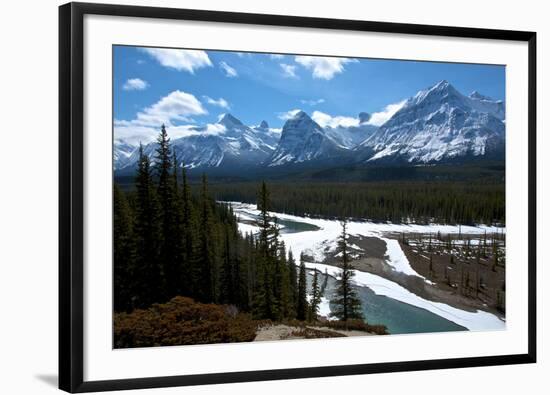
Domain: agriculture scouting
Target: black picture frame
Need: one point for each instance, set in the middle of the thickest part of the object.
(71, 222)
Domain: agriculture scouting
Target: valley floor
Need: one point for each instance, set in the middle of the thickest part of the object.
(393, 261)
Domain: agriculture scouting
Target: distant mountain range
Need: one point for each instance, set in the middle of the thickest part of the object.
(437, 125)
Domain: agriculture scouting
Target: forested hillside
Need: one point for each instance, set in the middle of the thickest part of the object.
(170, 240)
(398, 202)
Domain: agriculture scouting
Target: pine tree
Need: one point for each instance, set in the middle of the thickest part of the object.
(188, 237)
(267, 292)
(302, 305)
(347, 304)
(325, 282)
(170, 236)
(293, 283)
(285, 289)
(204, 257)
(315, 297)
(230, 268)
(149, 283)
(124, 252)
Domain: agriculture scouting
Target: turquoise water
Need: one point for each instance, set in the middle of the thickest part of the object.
(398, 317)
(295, 227)
(288, 226)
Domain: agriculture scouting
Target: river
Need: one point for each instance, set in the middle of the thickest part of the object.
(379, 307)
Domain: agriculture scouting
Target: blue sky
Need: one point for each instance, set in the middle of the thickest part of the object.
(182, 88)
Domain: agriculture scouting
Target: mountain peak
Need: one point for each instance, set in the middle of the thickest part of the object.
(300, 115)
(229, 120)
(364, 117)
(303, 139)
(435, 93)
(443, 86)
(264, 125)
(439, 123)
(479, 96)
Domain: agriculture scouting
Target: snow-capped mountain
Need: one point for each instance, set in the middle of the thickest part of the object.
(302, 139)
(437, 124)
(122, 152)
(269, 136)
(229, 143)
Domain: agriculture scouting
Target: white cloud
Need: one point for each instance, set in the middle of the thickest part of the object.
(176, 106)
(135, 84)
(323, 67)
(312, 102)
(127, 133)
(276, 56)
(288, 70)
(327, 120)
(221, 102)
(288, 114)
(180, 59)
(228, 70)
(379, 118)
(134, 135)
(213, 129)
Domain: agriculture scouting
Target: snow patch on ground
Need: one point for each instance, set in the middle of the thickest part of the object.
(247, 228)
(324, 308)
(474, 321)
(397, 259)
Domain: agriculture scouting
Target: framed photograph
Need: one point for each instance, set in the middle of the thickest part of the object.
(250, 197)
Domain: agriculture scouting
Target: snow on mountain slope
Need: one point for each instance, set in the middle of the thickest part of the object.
(233, 142)
(122, 152)
(438, 123)
(268, 135)
(302, 139)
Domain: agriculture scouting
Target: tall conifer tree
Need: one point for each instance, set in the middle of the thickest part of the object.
(315, 297)
(302, 305)
(205, 258)
(124, 252)
(347, 304)
(149, 283)
(168, 214)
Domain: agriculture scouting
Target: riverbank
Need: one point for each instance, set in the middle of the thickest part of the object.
(371, 257)
(387, 267)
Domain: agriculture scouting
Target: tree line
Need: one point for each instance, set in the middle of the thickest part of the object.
(398, 202)
(170, 240)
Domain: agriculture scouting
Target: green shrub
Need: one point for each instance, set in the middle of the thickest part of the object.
(182, 321)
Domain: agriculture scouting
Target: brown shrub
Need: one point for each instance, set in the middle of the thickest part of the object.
(357, 325)
(182, 321)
